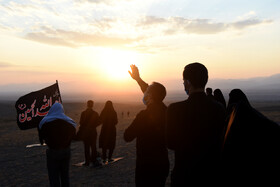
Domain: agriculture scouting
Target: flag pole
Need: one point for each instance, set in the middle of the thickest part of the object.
(59, 91)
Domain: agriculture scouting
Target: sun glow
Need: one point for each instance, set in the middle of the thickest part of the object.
(116, 63)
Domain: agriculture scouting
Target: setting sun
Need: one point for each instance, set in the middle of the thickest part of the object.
(116, 63)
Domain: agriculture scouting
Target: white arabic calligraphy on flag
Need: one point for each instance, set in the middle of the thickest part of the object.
(31, 108)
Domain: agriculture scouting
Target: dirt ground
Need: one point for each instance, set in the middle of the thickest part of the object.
(21, 166)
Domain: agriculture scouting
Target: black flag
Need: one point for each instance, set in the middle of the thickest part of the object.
(31, 108)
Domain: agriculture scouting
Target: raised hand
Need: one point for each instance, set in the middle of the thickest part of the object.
(134, 73)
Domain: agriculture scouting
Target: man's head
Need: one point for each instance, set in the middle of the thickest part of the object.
(195, 75)
(209, 91)
(90, 103)
(156, 92)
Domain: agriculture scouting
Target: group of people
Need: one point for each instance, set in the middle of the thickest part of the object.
(58, 130)
(218, 95)
(212, 142)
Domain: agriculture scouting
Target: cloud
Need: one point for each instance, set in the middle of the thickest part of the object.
(5, 64)
(4, 28)
(110, 32)
(198, 26)
(151, 20)
(175, 25)
(76, 39)
(106, 2)
(104, 24)
(52, 40)
(87, 30)
(94, 1)
(249, 22)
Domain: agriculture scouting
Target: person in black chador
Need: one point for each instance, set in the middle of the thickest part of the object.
(218, 95)
(251, 146)
(195, 131)
(107, 138)
(152, 164)
(88, 122)
(57, 130)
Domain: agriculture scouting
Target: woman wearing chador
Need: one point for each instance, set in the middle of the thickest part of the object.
(107, 139)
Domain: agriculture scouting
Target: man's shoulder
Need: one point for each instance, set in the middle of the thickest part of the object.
(89, 111)
(94, 112)
(142, 113)
(177, 105)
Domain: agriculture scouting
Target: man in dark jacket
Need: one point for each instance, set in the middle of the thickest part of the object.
(152, 164)
(195, 131)
(88, 122)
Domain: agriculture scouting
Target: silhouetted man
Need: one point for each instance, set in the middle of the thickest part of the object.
(195, 131)
(209, 93)
(152, 164)
(88, 122)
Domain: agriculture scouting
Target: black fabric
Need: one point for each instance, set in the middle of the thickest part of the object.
(31, 108)
(218, 95)
(195, 132)
(152, 164)
(107, 138)
(251, 148)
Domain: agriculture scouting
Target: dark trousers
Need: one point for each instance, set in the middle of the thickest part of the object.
(90, 152)
(58, 167)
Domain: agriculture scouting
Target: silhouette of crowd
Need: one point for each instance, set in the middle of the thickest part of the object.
(213, 143)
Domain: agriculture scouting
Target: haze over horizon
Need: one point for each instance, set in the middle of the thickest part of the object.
(88, 45)
(258, 88)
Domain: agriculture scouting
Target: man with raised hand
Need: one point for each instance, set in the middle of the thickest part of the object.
(152, 164)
